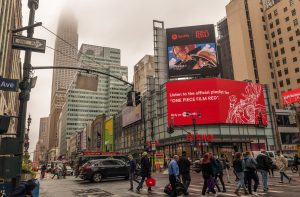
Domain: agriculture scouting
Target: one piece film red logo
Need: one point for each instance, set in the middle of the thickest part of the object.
(219, 101)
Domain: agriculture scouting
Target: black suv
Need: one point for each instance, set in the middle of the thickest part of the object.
(97, 170)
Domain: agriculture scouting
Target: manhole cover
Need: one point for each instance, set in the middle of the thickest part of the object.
(91, 193)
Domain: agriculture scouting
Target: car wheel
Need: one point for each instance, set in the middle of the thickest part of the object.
(97, 177)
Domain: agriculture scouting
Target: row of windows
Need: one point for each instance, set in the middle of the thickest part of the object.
(286, 71)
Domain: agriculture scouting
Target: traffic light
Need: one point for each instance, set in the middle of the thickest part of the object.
(170, 130)
(129, 98)
(137, 98)
(4, 123)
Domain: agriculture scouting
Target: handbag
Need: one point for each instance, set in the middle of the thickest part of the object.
(211, 183)
(150, 182)
(168, 188)
(180, 189)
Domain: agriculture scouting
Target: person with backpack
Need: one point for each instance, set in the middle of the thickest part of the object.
(184, 169)
(239, 167)
(132, 169)
(250, 173)
(264, 164)
(207, 173)
(219, 175)
(282, 165)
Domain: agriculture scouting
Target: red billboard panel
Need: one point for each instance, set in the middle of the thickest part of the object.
(215, 101)
(291, 97)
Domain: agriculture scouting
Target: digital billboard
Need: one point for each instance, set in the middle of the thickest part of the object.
(131, 115)
(108, 135)
(192, 51)
(215, 101)
(291, 97)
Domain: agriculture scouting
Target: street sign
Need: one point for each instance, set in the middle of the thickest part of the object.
(9, 84)
(24, 43)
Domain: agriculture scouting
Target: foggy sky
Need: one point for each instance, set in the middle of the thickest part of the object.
(123, 24)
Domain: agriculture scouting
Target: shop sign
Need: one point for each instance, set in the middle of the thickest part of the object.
(200, 137)
(159, 159)
(153, 146)
(289, 147)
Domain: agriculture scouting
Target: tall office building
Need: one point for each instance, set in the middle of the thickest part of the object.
(265, 43)
(62, 78)
(83, 104)
(10, 62)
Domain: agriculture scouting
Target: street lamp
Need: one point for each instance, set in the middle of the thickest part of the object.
(26, 143)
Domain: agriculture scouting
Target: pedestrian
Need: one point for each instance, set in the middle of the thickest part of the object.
(239, 167)
(184, 169)
(264, 164)
(207, 172)
(64, 170)
(145, 171)
(55, 172)
(43, 171)
(219, 175)
(173, 174)
(226, 166)
(215, 167)
(132, 168)
(250, 173)
(282, 165)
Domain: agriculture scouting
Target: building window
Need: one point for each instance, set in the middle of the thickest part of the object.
(284, 60)
(295, 59)
(279, 31)
(285, 9)
(269, 16)
(277, 63)
(271, 25)
(274, 85)
(295, 22)
(272, 75)
(289, 28)
(297, 70)
(287, 19)
(268, 46)
(261, 9)
(275, 95)
(277, 21)
(275, 12)
(293, 49)
(291, 38)
(276, 53)
(281, 83)
(293, 12)
(263, 19)
(292, 3)
(288, 81)
(298, 43)
(298, 80)
(274, 44)
(266, 37)
(269, 55)
(270, 64)
(265, 28)
(280, 41)
(286, 71)
(279, 73)
(282, 51)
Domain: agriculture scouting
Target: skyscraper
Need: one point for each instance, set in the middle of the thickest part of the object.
(265, 43)
(62, 78)
(83, 105)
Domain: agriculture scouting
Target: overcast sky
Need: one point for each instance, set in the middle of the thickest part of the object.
(123, 24)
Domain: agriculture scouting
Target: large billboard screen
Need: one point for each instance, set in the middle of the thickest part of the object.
(291, 97)
(192, 51)
(215, 101)
(108, 135)
(131, 115)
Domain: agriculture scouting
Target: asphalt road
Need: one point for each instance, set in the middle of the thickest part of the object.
(72, 186)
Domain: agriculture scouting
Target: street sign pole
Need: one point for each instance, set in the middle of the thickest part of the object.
(25, 91)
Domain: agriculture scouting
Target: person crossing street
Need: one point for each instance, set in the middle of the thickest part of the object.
(145, 171)
(264, 164)
(173, 174)
(282, 165)
(184, 169)
(132, 169)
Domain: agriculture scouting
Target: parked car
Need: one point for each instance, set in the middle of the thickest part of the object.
(70, 171)
(98, 170)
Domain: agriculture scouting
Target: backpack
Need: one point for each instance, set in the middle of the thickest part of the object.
(249, 164)
(238, 165)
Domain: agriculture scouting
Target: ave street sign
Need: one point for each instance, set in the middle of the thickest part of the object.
(9, 84)
(24, 43)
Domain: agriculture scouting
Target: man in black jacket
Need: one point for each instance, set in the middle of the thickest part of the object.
(132, 169)
(184, 169)
(264, 164)
(145, 171)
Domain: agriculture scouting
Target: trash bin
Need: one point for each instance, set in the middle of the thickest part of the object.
(36, 191)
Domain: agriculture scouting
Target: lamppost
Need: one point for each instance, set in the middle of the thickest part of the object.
(26, 143)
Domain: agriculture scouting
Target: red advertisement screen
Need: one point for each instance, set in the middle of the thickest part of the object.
(219, 101)
(290, 97)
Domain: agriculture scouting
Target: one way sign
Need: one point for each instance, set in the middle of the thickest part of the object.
(24, 43)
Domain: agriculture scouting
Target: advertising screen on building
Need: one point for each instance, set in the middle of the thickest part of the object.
(291, 97)
(108, 136)
(131, 115)
(215, 101)
(192, 51)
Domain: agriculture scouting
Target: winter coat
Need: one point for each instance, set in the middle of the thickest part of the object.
(281, 163)
(145, 167)
(132, 167)
(239, 165)
(263, 162)
(184, 165)
(207, 170)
